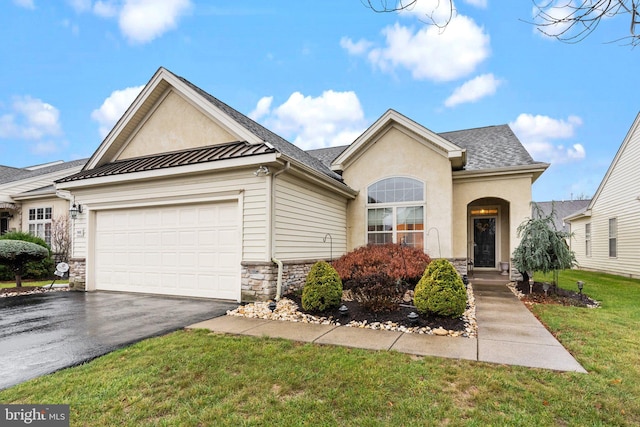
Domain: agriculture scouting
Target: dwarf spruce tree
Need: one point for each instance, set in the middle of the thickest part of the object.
(542, 247)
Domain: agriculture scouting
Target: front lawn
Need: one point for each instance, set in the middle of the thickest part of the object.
(35, 283)
(199, 378)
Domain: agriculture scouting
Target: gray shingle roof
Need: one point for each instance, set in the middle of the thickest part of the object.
(490, 147)
(9, 174)
(563, 209)
(327, 155)
(172, 159)
(282, 145)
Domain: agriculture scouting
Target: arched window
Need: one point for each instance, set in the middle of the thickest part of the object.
(395, 212)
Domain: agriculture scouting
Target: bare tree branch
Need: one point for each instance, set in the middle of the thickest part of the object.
(569, 21)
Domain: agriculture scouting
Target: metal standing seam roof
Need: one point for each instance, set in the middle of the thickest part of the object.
(173, 159)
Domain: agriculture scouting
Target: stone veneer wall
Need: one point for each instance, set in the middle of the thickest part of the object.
(77, 273)
(460, 264)
(259, 280)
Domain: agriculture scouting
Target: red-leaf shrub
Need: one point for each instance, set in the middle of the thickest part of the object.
(400, 263)
(377, 292)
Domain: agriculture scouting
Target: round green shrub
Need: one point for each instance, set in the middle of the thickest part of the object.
(323, 288)
(440, 291)
(37, 270)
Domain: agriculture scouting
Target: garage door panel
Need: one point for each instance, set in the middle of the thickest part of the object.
(189, 250)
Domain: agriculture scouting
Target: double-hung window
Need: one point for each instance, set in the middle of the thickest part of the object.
(587, 239)
(40, 223)
(395, 212)
(613, 237)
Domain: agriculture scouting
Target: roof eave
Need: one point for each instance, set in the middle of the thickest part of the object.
(535, 170)
(169, 172)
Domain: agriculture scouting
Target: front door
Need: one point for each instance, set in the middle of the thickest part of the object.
(4, 225)
(484, 242)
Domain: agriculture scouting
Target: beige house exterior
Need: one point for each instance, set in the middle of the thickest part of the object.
(187, 196)
(605, 233)
(29, 201)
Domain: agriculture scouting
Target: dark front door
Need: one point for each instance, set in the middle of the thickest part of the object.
(484, 242)
(4, 225)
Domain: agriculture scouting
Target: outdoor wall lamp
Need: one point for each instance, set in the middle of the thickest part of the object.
(75, 210)
(262, 171)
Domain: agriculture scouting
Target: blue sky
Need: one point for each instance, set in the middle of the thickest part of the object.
(318, 73)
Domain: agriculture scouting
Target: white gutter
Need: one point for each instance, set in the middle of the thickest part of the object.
(287, 166)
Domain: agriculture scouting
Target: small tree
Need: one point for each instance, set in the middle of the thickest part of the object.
(542, 247)
(15, 254)
(61, 238)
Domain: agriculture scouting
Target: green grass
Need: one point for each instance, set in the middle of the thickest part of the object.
(12, 284)
(196, 378)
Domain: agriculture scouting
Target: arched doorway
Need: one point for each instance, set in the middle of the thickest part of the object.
(488, 233)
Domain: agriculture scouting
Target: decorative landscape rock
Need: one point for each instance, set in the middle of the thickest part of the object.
(287, 310)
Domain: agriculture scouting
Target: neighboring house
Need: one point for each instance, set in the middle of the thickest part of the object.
(562, 209)
(28, 199)
(607, 231)
(187, 196)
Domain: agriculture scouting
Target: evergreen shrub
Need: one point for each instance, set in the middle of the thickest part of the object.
(440, 291)
(36, 270)
(322, 289)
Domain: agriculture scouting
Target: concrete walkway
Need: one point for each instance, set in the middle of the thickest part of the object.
(507, 334)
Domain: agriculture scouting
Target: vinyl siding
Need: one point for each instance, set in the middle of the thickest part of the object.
(182, 188)
(618, 198)
(303, 217)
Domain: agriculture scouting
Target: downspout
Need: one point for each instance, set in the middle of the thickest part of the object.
(287, 166)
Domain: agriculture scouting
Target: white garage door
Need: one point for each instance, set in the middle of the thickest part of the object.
(189, 250)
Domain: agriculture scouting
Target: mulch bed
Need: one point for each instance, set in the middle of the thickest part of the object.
(554, 295)
(399, 316)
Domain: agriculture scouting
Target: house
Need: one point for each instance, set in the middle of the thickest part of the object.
(562, 209)
(187, 196)
(28, 199)
(606, 236)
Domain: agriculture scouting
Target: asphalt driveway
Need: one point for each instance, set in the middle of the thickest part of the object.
(43, 333)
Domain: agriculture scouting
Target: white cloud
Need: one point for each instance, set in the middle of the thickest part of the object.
(30, 118)
(114, 107)
(27, 4)
(482, 4)
(141, 21)
(473, 90)
(357, 48)
(33, 120)
(431, 53)
(105, 9)
(334, 118)
(80, 5)
(262, 109)
(538, 133)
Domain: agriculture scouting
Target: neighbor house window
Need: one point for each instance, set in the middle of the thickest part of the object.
(40, 223)
(395, 212)
(613, 237)
(587, 239)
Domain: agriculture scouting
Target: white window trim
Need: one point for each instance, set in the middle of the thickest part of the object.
(613, 235)
(587, 240)
(394, 233)
(35, 222)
